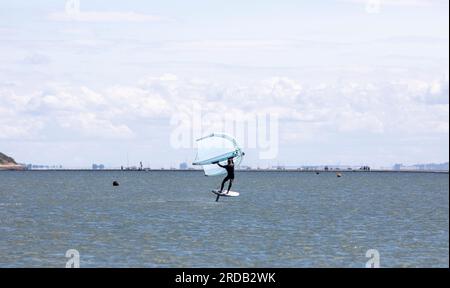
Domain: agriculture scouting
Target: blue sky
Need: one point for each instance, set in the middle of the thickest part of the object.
(354, 81)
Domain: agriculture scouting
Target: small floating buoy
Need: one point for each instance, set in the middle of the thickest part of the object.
(338, 175)
(317, 173)
(115, 183)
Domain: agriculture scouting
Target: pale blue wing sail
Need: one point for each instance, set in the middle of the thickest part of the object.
(218, 158)
(217, 148)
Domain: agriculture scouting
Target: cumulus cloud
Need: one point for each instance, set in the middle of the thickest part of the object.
(73, 12)
(101, 16)
(13, 123)
(410, 106)
(134, 102)
(376, 6)
(94, 126)
(36, 59)
(413, 3)
(349, 106)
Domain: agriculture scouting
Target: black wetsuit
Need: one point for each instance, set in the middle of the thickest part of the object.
(230, 175)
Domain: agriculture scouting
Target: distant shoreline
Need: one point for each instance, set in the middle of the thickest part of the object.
(238, 170)
(12, 167)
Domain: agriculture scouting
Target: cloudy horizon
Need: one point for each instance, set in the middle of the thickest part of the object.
(353, 82)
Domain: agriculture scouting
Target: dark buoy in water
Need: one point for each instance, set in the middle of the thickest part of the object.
(338, 175)
(115, 184)
(317, 173)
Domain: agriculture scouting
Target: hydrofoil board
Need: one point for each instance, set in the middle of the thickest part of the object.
(225, 194)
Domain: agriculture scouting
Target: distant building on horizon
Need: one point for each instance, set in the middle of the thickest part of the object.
(98, 167)
(422, 167)
(397, 166)
(279, 167)
(184, 166)
(42, 167)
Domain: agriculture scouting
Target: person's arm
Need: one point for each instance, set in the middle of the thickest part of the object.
(221, 165)
(218, 164)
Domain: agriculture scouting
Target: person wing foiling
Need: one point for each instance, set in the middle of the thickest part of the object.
(230, 174)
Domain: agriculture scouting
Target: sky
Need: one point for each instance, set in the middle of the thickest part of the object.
(348, 82)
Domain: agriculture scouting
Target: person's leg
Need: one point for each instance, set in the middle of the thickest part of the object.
(230, 184)
(223, 183)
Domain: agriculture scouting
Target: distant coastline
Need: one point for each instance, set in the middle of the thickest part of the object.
(12, 167)
(237, 170)
(8, 163)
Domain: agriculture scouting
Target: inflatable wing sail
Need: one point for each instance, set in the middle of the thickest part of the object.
(217, 148)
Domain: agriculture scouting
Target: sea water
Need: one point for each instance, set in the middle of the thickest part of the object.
(171, 219)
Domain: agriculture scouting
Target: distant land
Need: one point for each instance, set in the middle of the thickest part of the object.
(8, 163)
(430, 166)
(6, 160)
(427, 168)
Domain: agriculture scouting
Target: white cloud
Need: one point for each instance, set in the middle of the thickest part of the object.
(233, 44)
(133, 102)
(19, 129)
(413, 3)
(13, 123)
(101, 16)
(37, 59)
(435, 92)
(91, 126)
(411, 106)
(376, 6)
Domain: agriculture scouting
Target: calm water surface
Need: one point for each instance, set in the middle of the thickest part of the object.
(170, 219)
